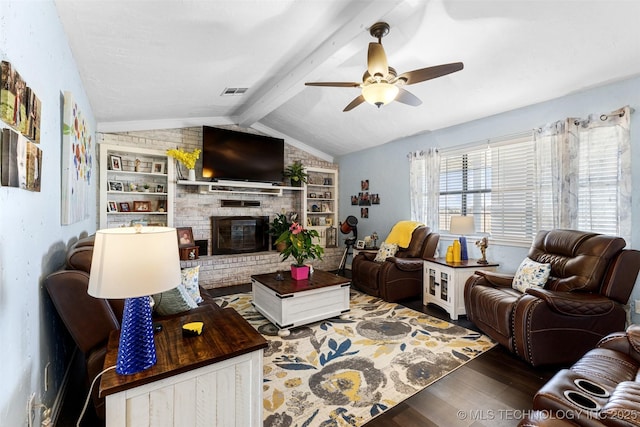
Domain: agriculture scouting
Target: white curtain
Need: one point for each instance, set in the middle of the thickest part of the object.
(583, 166)
(424, 176)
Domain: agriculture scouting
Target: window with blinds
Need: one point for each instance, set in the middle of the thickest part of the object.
(515, 188)
(496, 184)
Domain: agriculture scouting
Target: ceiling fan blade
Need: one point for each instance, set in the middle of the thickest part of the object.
(333, 84)
(353, 104)
(377, 60)
(417, 76)
(408, 98)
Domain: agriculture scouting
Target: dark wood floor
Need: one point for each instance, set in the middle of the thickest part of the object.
(494, 389)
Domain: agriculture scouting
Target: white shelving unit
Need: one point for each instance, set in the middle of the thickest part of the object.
(123, 199)
(320, 203)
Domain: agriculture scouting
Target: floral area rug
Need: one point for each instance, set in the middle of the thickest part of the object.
(345, 371)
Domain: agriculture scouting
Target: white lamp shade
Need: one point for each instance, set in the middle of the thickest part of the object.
(133, 262)
(462, 225)
(379, 93)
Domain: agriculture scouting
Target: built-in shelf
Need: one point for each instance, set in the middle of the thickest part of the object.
(262, 188)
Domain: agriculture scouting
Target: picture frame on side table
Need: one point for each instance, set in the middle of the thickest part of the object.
(185, 237)
(360, 244)
(116, 163)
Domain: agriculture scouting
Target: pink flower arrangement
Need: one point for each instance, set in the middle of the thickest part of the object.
(300, 244)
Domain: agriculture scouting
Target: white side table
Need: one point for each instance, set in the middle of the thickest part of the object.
(443, 283)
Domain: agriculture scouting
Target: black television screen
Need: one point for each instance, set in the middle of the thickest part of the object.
(239, 156)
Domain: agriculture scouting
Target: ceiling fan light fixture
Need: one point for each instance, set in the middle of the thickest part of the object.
(379, 94)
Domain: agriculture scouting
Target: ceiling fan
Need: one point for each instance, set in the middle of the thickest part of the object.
(380, 83)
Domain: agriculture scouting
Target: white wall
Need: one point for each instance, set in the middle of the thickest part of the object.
(33, 242)
(387, 166)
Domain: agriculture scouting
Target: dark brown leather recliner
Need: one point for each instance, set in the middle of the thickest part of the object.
(584, 299)
(398, 277)
(601, 389)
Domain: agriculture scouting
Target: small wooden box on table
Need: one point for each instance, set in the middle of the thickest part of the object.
(214, 379)
(443, 283)
(288, 303)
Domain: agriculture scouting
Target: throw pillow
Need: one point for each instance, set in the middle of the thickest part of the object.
(530, 274)
(386, 250)
(173, 301)
(190, 282)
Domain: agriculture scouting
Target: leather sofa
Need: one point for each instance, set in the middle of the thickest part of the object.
(584, 298)
(600, 389)
(398, 277)
(90, 320)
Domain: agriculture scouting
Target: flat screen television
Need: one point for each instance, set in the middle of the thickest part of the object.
(239, 156)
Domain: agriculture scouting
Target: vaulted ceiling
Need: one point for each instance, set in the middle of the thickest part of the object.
(150, 64)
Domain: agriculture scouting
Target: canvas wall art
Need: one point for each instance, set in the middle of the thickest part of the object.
(21, 161)
(77, 163)
(20, 107)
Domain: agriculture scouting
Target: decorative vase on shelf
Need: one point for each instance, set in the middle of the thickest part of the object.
(192, 175)
(299, 272)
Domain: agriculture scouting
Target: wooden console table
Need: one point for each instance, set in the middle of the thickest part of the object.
(214, 379)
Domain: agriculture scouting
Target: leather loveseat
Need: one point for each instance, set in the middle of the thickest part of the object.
(90, 320)
(600, 389)
(590, 281)
(398, 277)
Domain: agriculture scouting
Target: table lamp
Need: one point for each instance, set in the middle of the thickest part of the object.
(133, 263)
(462, 225)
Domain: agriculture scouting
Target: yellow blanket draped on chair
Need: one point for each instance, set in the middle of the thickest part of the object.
(401, 233)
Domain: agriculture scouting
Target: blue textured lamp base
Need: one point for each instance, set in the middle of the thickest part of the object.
(137, 350)
(463, 248)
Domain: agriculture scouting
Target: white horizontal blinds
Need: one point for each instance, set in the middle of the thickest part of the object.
(513, 190)
(598, 173)
(465, 187)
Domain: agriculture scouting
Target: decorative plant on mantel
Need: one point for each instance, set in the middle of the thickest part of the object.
(187, 159)
(300, 246)
(295, 172)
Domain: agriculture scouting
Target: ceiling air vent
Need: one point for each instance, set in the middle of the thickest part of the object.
(234, 91)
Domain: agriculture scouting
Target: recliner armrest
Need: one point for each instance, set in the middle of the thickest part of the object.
(406, 264)
(624, 342)
(369, 256)
(574, 303)
(500, 280)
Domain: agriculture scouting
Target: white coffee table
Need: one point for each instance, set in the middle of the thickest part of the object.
(288, 303)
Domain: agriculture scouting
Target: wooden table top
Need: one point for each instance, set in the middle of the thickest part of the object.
(319, 279)
(470, 263)
(226, 334)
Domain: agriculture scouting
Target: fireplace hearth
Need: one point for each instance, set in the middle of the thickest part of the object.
(239, 234)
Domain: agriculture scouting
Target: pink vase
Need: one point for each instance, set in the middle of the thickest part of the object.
(299, 273)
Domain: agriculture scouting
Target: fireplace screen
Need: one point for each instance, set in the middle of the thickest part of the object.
(239, 234)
